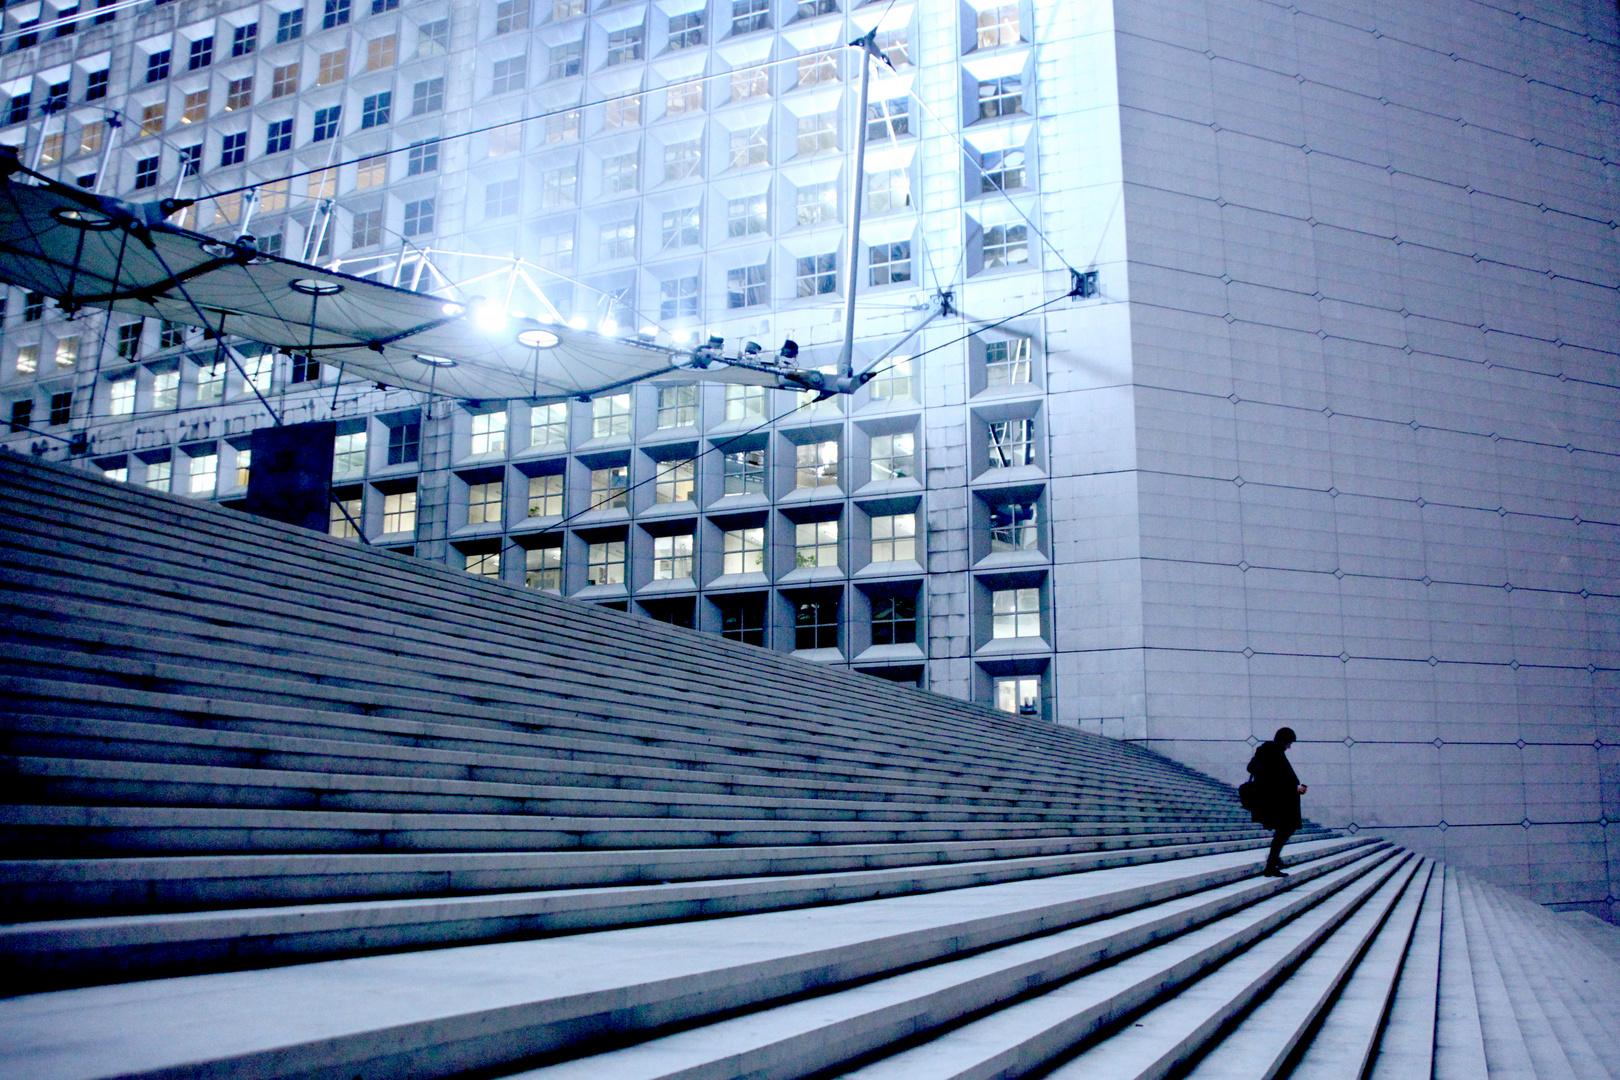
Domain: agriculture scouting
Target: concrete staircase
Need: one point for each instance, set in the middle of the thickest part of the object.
(283, 806)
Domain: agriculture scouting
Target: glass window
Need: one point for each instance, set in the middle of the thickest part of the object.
(998, 26)
(305, 369)
(604, 563)
(421, 158)
(326, 123)
(1011, 443)
(152, 117)
(683, 159)
(744, 402)
(371, 172)
(375, 110)
(750, 146)
(677, 406)
(818, 132)
(62, 407)
(201, 54)
(344, 518)
(1006, 363)
(556, 251)
(484, 503)
(542, 568)
(894, 538)
(501, 198)
(567, 60)
(745, 472)
(558, 186)
(488, 433)
(333, 67)
(1015, 613)
(433, 39)
(418, 217)
(896, 45)
(336, 13)
(349, 453)
(483, 563)
(623, 112)
(1019, 694)
(546, 495)
(278, 137)
(676, 481)
(239, 95)
(746, 216)
(890, 264)
(678, 298)
(1001, 97)
(750, 15)
(681, 227)
(244, 39)
(284, 81)
(95, 87)
(289, 25)
(509, 74)
(815, 623)
(427, 96)
(894, 620)
(404, 443)
(1002, 170)
(122, 395)
(888, 119)
(624, 45)
(91, 136)
(1005, 245)
(22, 415)
(743, 551)
(894, 456)
(382, 52)
(810, 9)
(742, 618)
(610, 416)
(686, 29)
(196, 109)
(548, 424)
(211, 382)
(747, 286)
(672, 557)
(166, 390)
(817, 464)
(1014, 526)
(204, 474)
(815, 543)
(817, 68)
(158, 474)
(511, 15)
(686, 97)
(888, 190)
(244, 467)
(617, 241)
(610, 488)
(399, 512)
(157, 68)
(818, 203)
(67, 352)
(894, 380)
(818, 274)
(619, 173)
(129, 340)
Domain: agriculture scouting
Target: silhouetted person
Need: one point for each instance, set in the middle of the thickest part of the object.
(1279, 792)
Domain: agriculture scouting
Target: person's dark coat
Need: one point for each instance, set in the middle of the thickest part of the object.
(1278, 788)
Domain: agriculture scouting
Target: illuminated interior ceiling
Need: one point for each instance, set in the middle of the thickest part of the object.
(87, 250)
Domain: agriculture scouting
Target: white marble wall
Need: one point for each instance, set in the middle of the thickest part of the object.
(1373, 280)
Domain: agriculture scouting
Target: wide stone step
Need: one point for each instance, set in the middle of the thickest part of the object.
(409, 728)
(89, 782)
(1405, 1038)
(76, 952)
(431, 1013)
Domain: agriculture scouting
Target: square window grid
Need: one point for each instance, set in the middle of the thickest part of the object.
(894, 456)
(619, 173)
(817, 464)
(815, 623)
(1006, 363)
(894, 620)
(211, 382)
(624, 45)
(998, 26)
(284, 81)
(686, 30)
(744, 472)
(623, 111)
(677, 405)
(558, 186)
(684, 98)
(342, 519)
(1019, 694)
(157, 67)
(746, 216)
(289, 25)
(488, 434)
(511, 15)
(305, 369)
(152, 118)
(818, 274)
(1002, 170)
(894, 380)
(747, 286)
(742, 618)
(483, 563)
(677, 298)
(201, 54)
(672, 557)
(399, 512)
(433, 39)
(816, 68)
(818, 203)
(889, 264)
(604, 563)
(367, 228)
(1001, 97)
(196, 108)
(548, 425)
(744, 402)
(896, 45)
(501, 198)
(326, 123)
(121, 397)
(509, 74)
(676, 481)
(333, 67)
(610, 488)
(610, 416)
(542, 568)
(815, 543)
(748, 16)
(204, 474)
(349, 454)
(742, 551)
(818, 132)
(683, 159)
(158, 475)
(484, 503)
(418, 217)
(1005, 245)
(1014, 526)
(1011, 443)
(382, 52)
(427, 96)
(244, 39)
(888, 190)
(894, 538)
(1015, 613)
(750, 146)
(404, 443)
(567, 60)
(422, 158)
(336, 13)
(61, 407)
(146, 172)
(546, 495)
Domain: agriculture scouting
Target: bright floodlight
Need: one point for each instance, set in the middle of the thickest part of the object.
(609, 327)
(452, 309)
(538, 339)
(577, 322)
(682, 336)
(490, 318)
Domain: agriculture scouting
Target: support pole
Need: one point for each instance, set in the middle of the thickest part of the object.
(114, 123)
(846, 359)
(249, 204)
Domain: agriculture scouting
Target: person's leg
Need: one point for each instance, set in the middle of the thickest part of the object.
(1278, 839)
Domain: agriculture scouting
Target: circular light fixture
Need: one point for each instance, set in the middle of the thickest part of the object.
(577, 322)
(82, 219)
(649, 331)
(682, 336)
(316, 287)
(537, 339)
(452, 309)
(435, 361)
